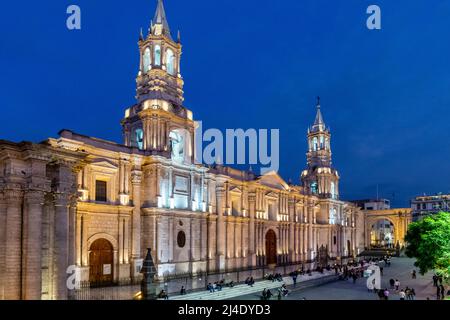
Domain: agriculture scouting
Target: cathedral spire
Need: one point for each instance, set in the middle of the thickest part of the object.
(160, 21)
(319, 125)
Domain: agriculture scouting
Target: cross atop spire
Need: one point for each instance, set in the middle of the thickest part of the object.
(159, 22)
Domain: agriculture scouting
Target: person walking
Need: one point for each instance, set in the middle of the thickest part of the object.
(434, 281)
(413, 274)
(441, 287)
(408, 293)
(264, 294)
(386, 294)
(392, 283)
(438, 293)
(413, 294)
(397, 284)
(268, 294)
(402, 295)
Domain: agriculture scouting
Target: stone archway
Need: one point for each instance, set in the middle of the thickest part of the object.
(271, 247)
(101, 263)
(399, 219)
(383, 234)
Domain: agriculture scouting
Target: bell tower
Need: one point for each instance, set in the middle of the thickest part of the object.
(320, 178)
(159, 120)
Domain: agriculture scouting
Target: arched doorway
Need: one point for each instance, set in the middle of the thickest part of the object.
(382, 234)
(101, 263)
(271, 247)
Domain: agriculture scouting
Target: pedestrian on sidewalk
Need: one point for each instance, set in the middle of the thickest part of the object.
(386, 294)
(182, 291)
(392, 283)
(397, 284)
(413, 294)
(402, 295)
(408, 293)
(294, 279)
(264, 294)
(413, 274)
(435, 281)
(442, 291)
(438, 293)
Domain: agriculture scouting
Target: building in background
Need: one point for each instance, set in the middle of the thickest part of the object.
(373, 204)
(422, 206)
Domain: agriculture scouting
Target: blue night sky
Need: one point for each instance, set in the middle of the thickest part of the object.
(250, 64)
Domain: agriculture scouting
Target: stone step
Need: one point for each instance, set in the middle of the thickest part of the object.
(243, 289)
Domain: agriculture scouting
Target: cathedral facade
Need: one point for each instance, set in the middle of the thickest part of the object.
(95, 205)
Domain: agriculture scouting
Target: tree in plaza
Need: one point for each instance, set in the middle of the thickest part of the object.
(429, 242)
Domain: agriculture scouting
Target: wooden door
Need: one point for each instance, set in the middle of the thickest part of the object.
(101, 260)
(271, 247)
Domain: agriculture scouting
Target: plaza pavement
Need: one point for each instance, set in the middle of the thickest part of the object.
(345, 290)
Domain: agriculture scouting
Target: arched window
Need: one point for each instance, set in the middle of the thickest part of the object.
(333, 190)
(315, 144)
(147, 60)
(170, 62)
(139, 137)
(333, 215)
(322, 144)
(157, 55)
(314, 187)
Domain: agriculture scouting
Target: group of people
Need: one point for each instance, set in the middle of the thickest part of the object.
(440, 289)
(274, 277)
(266, 294)
(249, 281)
(218, 285)
(163, 295)
(407, 294)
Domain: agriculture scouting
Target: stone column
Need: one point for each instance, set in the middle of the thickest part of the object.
(13, 258)
(136, 259)
(2, 245)
(32, 246)
(300, 241)
(121, 227)
(203, 236)
(72, 230)
(310, 233)
(78, 237)
(84, 239)
(171, 239)
(61, 246)
(220, 193)
(251, 229)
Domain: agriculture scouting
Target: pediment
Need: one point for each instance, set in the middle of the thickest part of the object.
(104, 163)
(271, 194)
(236, 189)
(273, 180)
